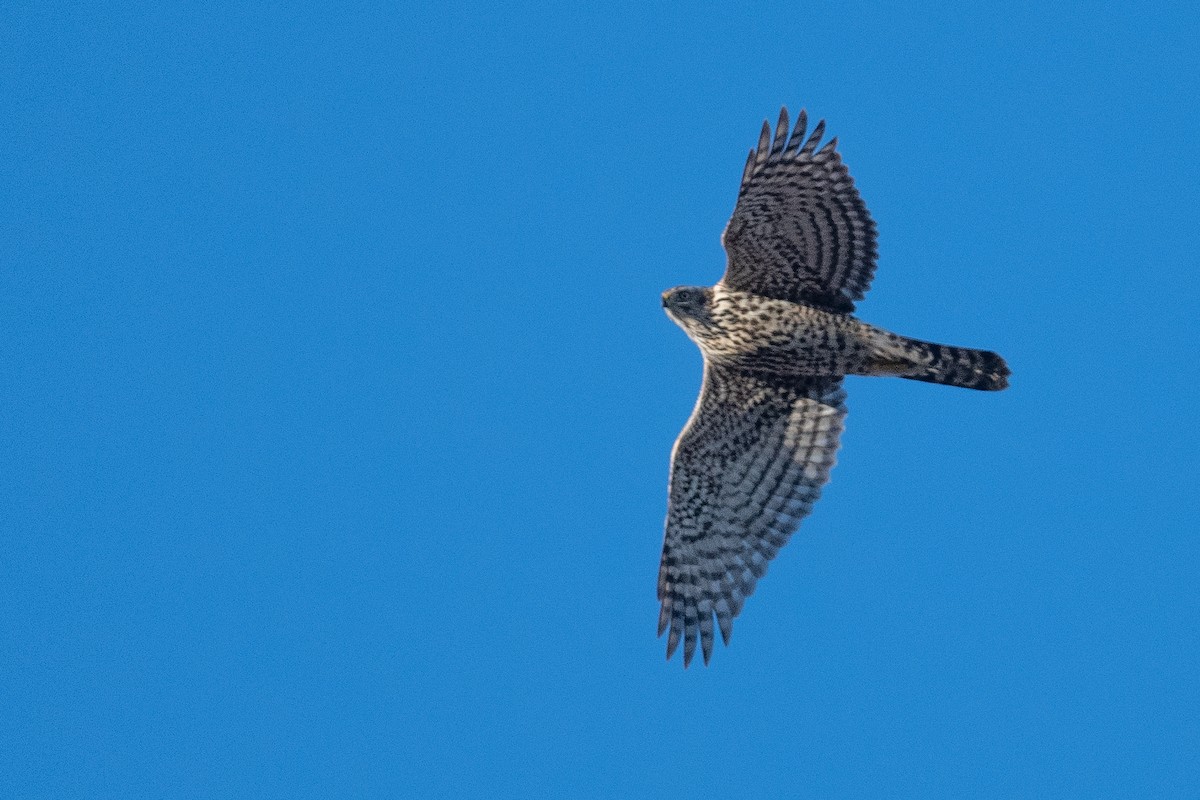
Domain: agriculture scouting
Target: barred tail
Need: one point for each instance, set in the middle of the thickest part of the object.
(936, 363)
(958, 366)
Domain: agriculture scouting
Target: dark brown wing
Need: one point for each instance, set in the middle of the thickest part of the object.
(799, 231)
(747, 468)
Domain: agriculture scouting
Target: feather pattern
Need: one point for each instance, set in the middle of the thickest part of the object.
(747, 468)
(800, 231)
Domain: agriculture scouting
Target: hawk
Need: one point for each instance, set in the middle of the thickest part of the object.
(778, 336)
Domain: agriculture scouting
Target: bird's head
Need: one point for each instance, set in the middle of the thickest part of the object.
(688, 306)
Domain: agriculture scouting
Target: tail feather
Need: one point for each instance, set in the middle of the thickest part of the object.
(961, 366)
(944, 364)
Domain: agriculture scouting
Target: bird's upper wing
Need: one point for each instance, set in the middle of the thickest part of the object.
(747, 468)
(800, 231)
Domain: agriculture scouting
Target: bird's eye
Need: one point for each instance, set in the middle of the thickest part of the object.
(687, 296)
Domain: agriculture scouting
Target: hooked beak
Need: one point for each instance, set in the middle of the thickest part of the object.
(664, 298)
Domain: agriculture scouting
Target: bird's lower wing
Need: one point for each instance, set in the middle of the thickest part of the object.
(747, 468)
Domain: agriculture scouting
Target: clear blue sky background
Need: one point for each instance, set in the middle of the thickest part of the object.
(338, 401)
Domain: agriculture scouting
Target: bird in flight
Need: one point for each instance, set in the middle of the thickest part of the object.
(778, 336)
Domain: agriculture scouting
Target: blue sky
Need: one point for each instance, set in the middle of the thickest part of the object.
(338, 403)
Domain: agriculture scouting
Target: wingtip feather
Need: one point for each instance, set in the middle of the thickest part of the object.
(798, 132)
(726, 624)
(764, 143)
(749, 167)
(672, 640)
(781, 132)
(706, 632)
(817, 133)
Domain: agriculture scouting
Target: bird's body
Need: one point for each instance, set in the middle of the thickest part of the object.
(777, 337)
(748, 332)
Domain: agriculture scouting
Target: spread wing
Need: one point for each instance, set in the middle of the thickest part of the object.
(747, 468)
(799, 231)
